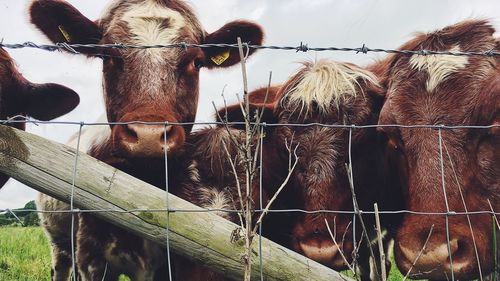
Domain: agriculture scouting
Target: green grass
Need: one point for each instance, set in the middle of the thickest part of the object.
(24, 254)
(394, 274)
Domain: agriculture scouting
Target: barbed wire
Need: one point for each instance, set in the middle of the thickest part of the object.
(300, 48)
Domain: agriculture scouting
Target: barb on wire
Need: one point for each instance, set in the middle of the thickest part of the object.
(300, 48)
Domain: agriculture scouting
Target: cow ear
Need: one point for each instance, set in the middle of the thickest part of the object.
(63, 23)
(250, 33)
(234, 114)
(48, 101)
(375, 90)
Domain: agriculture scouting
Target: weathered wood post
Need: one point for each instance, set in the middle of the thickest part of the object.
(200, 236)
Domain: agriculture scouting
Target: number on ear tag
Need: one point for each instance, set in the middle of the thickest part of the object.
(221, 58)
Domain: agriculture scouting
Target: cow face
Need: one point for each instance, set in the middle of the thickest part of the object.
(18, 96)
(441, 169)
(329, 93)
(152, 84)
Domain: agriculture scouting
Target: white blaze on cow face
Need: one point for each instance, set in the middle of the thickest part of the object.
(326, 84)
(439, 67)
(153, 24)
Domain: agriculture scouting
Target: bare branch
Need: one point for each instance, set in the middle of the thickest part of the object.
(466, 211)
(235, 173)
(380, 243)
(419, 254)
(283, 184)
(337, 245)
(356, 208)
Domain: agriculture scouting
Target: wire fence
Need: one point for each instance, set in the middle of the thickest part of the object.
(356, 212)
(260, 208)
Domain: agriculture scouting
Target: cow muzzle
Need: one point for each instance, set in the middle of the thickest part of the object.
(431, 258)
(142, 140)
(322, 249)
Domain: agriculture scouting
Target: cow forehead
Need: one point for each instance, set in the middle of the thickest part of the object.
(438, 67)
(150, 22)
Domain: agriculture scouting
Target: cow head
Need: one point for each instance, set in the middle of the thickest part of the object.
(329, 93)
(441, 169)
(149, 85)
(18, 96)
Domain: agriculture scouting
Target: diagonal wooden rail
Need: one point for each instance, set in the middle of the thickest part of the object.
(200, 236)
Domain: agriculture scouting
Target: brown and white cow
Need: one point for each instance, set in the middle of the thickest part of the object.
(19, 96)
(329, 93)
(461, 169)
(151, 85)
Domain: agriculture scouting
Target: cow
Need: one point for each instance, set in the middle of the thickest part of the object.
(199, 174)
(150, 85)
(338, 94)
(445, 170)
(18, 96)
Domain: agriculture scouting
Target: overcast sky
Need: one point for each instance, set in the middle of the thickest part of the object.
(319, 23)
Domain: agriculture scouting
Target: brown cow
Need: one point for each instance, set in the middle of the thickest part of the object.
(330, 93)
(158, 84)
(458, 172)
(19, 96)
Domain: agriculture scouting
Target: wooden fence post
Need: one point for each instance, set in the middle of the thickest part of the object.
(200, 236)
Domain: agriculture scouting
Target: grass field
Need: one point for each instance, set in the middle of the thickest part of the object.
(25, 255)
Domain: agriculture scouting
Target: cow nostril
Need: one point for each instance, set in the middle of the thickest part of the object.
(130, 134)
(166, 134)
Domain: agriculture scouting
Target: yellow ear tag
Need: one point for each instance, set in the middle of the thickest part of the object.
(64, 33)
(219, 59)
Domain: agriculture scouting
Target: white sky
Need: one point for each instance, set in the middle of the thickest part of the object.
(319, 23)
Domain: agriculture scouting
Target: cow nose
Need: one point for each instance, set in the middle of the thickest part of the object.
(322, 251)
(430, 257)
(434, 261)
(143, 140)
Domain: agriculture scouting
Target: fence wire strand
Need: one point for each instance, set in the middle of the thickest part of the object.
(300, 48)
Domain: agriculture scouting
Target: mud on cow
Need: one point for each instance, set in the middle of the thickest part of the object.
(150, 85)
(330, 93)
(19, 96)
(446, 169)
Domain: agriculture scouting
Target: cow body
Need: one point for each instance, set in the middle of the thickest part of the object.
(444, 170)
(148, 85)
